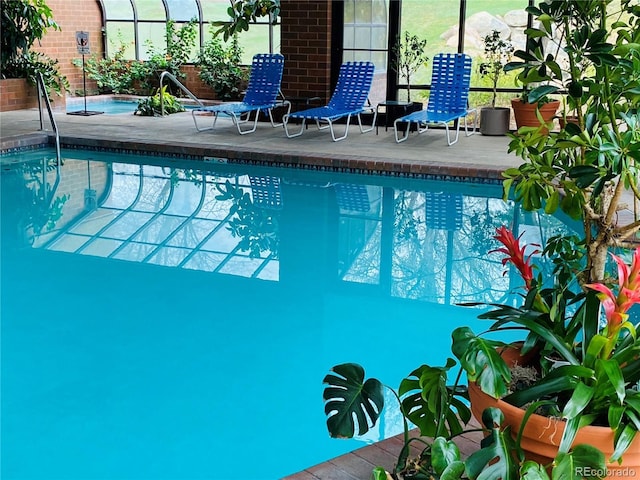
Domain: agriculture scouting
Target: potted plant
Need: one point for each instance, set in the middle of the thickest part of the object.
(497, 53)
(161, 103)
(408, 57)
(581, 372)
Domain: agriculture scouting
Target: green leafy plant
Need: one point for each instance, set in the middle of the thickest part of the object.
(151, 106)
(439, 411)
(243, 12)
(114, 74)
(178, 48)
(585, 168)
(497, 53)
(408, 57)
(597, 379)
(220, 68)
(25, 22)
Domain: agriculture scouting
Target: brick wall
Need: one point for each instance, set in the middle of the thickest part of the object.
(306, 46)
(195, 85)
(72, 16)
(16, 94)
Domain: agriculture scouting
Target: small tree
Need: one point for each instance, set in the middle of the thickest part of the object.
(497, 53)
(408, 57)
(586, 168)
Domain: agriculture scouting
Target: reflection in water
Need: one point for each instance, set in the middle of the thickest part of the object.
(427, 243)
(178, 313)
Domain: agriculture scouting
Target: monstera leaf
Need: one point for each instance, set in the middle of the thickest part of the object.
(483, 364)
(445, 456)
(430, 404)
(347, 395)
(495, 459)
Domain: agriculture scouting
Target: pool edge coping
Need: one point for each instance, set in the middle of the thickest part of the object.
(358, 164)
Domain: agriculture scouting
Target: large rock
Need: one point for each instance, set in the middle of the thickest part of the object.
(516, 18)
(483, 23)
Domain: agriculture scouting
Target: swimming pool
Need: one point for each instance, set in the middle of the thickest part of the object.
(109, 105)
(142, 339)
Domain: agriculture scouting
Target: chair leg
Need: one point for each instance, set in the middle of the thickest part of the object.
(285, 122)
(287, 104)
(446, 127)
(373, 124)
(346, 131)
(475, 122)
(395, 131)
(215, 119)
(255, 123)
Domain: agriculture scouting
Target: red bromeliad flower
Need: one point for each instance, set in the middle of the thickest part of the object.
(515, 254)
(616, 306)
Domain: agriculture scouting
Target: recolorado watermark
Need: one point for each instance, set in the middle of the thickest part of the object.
(591, 472)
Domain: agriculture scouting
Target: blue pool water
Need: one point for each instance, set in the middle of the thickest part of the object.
(107, 105)
(141, 339)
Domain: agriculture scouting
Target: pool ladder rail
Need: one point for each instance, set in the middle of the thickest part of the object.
(43, 93)
(173, 78)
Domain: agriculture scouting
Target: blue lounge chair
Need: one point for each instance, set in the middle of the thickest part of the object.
(448, 98)
(261, 95)
(349, 98)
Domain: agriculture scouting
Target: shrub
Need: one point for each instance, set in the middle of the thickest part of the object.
(220, 67)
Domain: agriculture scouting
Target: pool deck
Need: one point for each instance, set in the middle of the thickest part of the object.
(476, 156)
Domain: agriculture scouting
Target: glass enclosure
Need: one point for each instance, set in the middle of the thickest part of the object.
(476, 19)
(138, 26)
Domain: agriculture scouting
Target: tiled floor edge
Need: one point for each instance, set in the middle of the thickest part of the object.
(337, 163)
(24, 142)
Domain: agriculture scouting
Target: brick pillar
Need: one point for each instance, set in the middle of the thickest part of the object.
(306, 46)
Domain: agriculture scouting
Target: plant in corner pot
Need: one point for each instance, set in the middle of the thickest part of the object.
(584, 386)
(497, 53)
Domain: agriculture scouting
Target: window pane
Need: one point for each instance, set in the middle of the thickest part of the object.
(183, 10)
(213, 10)
(150, 10)
(363, 38)
(151, 37)
(510, 19)
(363, 12)
(379, 11)
(349, 37)
(118, 10)
(379, 37)
(118, 34)
(256, 40)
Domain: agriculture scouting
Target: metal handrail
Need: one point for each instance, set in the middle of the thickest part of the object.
(42, 92)
(179, 84)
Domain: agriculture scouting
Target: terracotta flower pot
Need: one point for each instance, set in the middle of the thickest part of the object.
(542, 435)
(525, 113)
